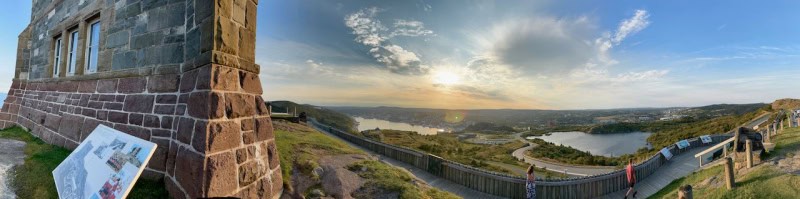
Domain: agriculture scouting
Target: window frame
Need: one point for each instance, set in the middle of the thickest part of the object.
(72, 56)
(88, 47)
(57, 45)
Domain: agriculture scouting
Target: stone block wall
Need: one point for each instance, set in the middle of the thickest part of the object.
(189, 85)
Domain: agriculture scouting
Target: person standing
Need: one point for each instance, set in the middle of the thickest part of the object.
(631, 179)
(530, 183)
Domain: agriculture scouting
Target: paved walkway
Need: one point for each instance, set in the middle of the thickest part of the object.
(11, 153)
(423, 175)
(679, 166)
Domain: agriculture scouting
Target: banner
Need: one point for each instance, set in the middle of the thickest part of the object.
(105, 165)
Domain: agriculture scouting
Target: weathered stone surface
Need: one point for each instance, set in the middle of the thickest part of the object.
(139, 103)
(272, 153)
(87, 86)
(239, 105)
(241, 155)
(159, 159)
(221, 136)
(224, 78)
(206, 105)
(151, 121)
(221, 175)
(135, 119)
(264, 129)
(117, 39)
(134, 131)
(166, 99)
(118, 117)
(52, 121)
(189, 171)
(185, 130)
(163, 83)
(250, 172)
(188, 81)
(132, 85)
(70, 127)
(164, 109)
(250, 82)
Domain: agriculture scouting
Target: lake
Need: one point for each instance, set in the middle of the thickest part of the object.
(610, 145)
(368, 124)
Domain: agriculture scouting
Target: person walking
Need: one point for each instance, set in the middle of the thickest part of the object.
(530, 183)
(631, 179)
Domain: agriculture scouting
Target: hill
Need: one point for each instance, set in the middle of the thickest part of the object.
(786, 104)
(317, 166)
(321, 114)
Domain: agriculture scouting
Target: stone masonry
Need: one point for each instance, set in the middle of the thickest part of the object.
(179, 73)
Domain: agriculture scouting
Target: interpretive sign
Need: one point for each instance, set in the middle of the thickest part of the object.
(666, 153)
(682, 144)
(104, 166)
(705, 139)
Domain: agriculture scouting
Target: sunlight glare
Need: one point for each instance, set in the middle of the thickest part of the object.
(446, 78)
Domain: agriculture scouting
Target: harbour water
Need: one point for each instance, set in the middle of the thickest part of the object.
(367, 124)
(610, 145)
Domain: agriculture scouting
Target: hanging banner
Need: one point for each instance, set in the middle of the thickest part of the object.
(105, 165)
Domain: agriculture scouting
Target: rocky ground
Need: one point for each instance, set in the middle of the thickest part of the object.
(11, 154)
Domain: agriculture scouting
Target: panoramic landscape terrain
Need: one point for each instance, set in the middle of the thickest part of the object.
(422, 99)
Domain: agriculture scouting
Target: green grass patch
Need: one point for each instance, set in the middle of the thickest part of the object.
(762, 182)
(34, 179)
(393, 179)
(303, 146)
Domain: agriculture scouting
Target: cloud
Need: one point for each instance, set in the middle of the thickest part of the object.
(630, 26)
(372, 33)
(410, 29)
(542, 45)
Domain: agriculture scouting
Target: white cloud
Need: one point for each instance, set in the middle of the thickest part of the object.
(410, 29)
(630, 26)
(370, 32)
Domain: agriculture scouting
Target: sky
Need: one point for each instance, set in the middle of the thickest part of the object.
(514, 54)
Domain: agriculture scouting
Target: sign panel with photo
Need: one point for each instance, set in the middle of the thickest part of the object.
(682, 144)
(706, 139)
(666, 153)
(104, 166)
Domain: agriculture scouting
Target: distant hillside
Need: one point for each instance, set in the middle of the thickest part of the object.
(717, 110)
(485, 127)
(321, 114)
(786, 104)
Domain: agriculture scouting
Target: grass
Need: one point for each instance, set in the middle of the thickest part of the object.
(303, 146)
(449, 147)
(34, 179)
(764, 181)
(389, 178)
(300, 147)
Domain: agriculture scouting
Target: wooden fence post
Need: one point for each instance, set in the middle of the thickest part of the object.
(749, 149)
(729, 181)
(736, 140)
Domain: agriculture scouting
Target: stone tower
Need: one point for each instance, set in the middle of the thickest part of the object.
(180, 73)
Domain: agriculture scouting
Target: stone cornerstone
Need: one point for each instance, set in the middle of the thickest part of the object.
(180, 73)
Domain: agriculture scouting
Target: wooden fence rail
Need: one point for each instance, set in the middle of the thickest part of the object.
(508, 186)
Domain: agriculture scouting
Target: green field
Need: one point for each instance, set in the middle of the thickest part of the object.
(34, 179)
(763, 181)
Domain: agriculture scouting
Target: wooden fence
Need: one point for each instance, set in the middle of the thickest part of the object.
(508, 186)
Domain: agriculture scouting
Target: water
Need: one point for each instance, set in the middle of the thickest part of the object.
(368, 124)
(610, 145)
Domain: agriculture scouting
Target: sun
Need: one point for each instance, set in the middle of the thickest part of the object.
(446, 78)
